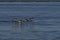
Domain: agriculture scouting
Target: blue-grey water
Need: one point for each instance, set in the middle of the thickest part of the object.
(45, 26)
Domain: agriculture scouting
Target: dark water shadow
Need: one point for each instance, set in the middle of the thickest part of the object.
(56, 38)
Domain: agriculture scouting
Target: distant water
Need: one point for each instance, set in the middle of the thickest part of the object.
(46, 24)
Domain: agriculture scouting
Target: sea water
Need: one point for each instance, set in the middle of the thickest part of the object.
(45, 26)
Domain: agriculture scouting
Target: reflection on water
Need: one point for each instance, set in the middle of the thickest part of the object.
(16, 27)
(22, 31)
(22, 27)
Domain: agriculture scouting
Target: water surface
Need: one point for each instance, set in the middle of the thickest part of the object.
(46, 24)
